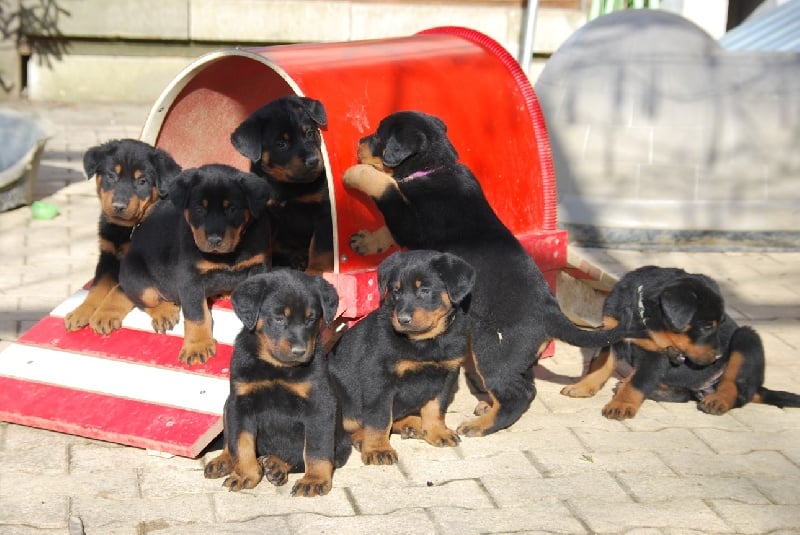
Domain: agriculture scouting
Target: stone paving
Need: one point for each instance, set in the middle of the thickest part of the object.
(562, 468)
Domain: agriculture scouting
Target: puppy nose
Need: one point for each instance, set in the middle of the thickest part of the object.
(312, 161)
(403, 318)
(214, 240)
(298, 350)
(119, 207)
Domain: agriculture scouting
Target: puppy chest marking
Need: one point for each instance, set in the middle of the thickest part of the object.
(404, 366)
(207, 266)
(299, 389)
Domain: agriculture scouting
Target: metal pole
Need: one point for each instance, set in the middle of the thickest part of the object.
(529, 24)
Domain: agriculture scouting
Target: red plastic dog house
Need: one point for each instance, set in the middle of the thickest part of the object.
(460, 75)
(128, 387)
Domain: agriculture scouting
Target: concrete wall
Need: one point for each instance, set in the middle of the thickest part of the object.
(152, 35)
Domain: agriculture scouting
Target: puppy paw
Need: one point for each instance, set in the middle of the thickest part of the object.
(381, 456)
(275, 470)
(441, 437)
(365, 242)
(367, 179)
(105, 321)
(240, 480)
(578, 390)
(471, 428)
(79, 317)
(310, 485)
(165, 316)
(220, 466)
(197, 351)
(481, 408)
(715, 404)
(617, 410)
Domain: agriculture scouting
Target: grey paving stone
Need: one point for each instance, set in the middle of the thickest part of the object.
(26, 511)
(759, 518)
(753, 465)
(464, 494)
(267, 500)
(677, 514)
(402, 522)
(665, 489)
(526, 490)
(542, 516)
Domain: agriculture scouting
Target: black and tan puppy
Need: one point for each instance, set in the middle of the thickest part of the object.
(282, 415)
(694, 350)
(282, 141)
(207, 238)
(431, 201)
(396, 369)
(130, 176)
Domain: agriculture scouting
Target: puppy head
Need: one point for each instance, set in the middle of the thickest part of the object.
(286, 309)
(692, 308)
(218, 202)
(130, 176)
(423, 290)
(282, 139)
(407, 142)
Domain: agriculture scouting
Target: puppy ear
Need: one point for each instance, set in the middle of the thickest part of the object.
(246, 300)
(397, 151)
(315, 110)
(246, 139)
(457, 274)
(678, 304)
(166, 170)
(179, 188)
(257, 191)
(387, 271)
(93, 157)
(328, 298)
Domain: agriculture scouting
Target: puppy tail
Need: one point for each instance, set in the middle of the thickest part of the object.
(778, 398)
(568, 332)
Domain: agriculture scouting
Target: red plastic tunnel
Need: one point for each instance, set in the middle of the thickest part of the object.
(458, 74)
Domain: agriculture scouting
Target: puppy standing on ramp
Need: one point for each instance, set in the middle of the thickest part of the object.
(694, 349)
(431, 201)
(130, 176)
(396, 369)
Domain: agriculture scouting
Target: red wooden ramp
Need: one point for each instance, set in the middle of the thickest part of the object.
(127, 387)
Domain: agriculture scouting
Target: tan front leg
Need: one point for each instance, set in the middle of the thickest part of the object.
(198, 340)
(375, 447)
(246, 472)
(724, 397)
(112, 311)
(626, 402)
(601, 368)
(369, 180)
(317, 481)
(365, 242)
(82, 314)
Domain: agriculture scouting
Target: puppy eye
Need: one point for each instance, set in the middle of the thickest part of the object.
(278, 319)
(312, 134)
(706, 328)
(311, 319)
(141, 182)
(281, 144)
(424, 291)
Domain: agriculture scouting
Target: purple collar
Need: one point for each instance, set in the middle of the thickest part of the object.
(418, 174)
